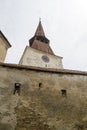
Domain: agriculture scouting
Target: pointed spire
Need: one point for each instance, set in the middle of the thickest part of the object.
(39, 35)
(39, 30)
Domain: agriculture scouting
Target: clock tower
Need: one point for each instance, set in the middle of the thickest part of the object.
(39, 52)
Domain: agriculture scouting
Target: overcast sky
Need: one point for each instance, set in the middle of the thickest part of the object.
(64, 23)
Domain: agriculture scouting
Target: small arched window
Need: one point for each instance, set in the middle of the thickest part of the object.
(17, 88)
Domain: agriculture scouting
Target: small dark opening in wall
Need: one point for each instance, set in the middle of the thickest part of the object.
(17, 88)
(40, 85)
(79, 127)
(46, 65)
(64, 92)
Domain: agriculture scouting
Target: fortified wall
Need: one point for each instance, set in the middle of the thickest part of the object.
(42, 99)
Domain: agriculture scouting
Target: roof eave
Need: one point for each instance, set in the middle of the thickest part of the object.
(50, 70)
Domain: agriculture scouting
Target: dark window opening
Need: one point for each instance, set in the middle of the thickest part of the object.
(40, 85)
(64, 92)
(42, 39)
(17, 88)
(79, 127)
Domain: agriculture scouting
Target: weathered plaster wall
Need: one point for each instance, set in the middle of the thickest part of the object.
(3, 50)
(42, 107)
(33, 57)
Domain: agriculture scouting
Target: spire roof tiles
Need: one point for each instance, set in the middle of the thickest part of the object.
(39, 30)
(39, 40)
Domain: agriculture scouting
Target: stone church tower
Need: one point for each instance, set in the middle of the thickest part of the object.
(39, 53)
(4, 45)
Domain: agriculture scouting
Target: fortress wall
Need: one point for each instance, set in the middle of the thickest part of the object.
(46, 101)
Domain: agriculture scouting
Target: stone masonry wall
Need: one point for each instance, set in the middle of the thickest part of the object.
(47, 101)
(3, 50)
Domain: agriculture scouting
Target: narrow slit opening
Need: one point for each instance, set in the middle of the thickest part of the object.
(17, 88)
(64, 93)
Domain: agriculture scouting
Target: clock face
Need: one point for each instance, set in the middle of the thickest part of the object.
(45, 58)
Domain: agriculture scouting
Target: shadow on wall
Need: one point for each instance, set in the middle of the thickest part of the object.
(5, 127)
